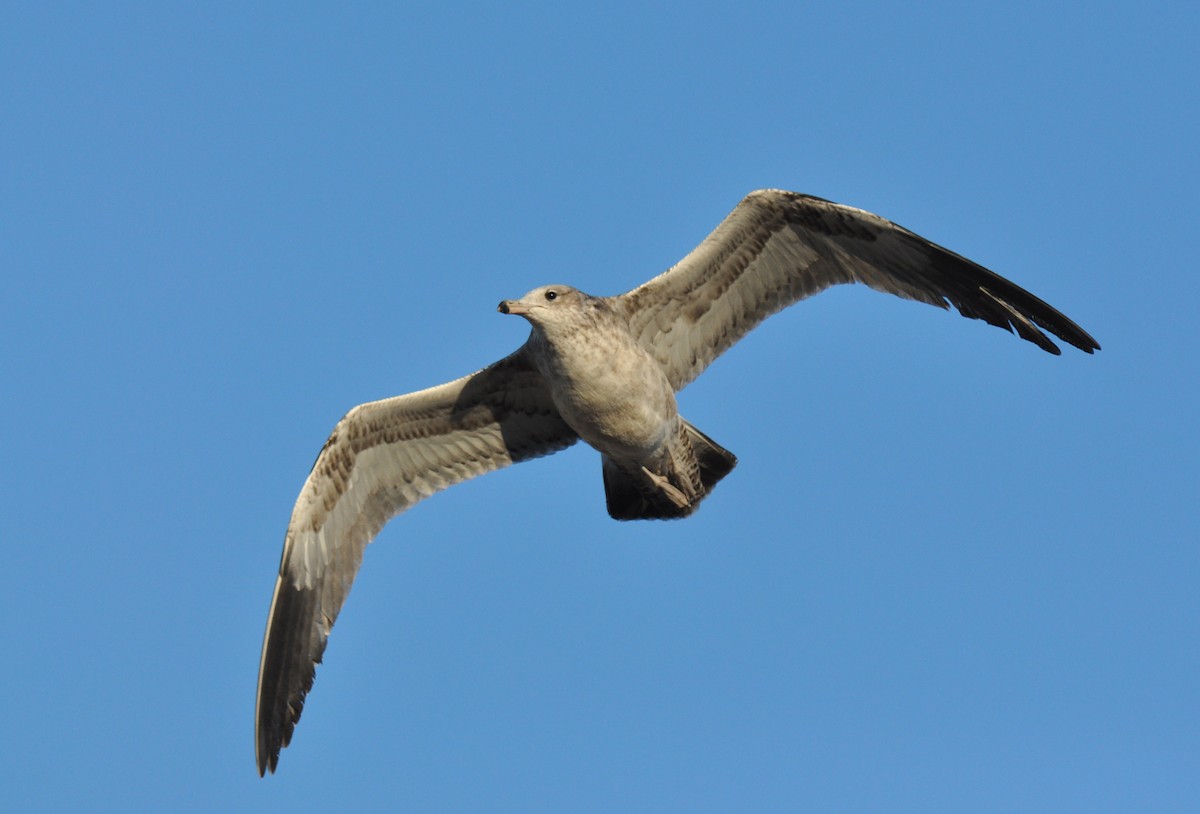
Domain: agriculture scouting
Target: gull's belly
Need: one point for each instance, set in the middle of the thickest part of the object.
(619, 420)
(621, 404)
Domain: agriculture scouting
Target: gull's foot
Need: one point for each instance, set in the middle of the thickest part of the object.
(674, 495)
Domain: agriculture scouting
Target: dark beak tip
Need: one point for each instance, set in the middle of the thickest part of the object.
(502, 307)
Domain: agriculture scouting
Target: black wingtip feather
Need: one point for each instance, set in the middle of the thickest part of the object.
(979, 293)
(290, 656)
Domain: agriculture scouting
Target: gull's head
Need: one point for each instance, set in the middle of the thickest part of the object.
(547, 305)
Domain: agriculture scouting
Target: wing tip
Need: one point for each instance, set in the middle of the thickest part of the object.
(292, 648)
(267, 763)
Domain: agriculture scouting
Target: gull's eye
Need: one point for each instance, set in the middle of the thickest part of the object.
(551, 295)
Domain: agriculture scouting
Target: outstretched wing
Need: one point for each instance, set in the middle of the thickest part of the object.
(381, 459)
(778, 247)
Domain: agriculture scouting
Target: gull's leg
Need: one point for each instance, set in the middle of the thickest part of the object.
(674, 495)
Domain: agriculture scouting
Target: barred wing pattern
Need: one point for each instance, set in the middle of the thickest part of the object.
(382, 458)
(777, 248)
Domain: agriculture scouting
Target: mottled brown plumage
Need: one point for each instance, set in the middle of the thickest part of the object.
(606, 370)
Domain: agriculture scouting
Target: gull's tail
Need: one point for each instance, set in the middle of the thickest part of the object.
(642, 495)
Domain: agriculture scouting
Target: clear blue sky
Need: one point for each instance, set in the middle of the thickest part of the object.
(953, 573)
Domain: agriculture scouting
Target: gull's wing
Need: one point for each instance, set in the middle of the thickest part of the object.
(779, 247)
(381, 459)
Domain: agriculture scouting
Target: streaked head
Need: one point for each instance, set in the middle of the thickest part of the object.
(546, 305)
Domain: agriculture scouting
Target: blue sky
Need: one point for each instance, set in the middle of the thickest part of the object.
(951, 572)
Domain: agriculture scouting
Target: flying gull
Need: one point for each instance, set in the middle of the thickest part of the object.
(604, 369)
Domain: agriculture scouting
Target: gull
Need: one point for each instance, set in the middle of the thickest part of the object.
(605, 370)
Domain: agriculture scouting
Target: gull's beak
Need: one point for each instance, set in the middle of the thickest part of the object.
(512, 307)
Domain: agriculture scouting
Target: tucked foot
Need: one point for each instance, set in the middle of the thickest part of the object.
(673, 494)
